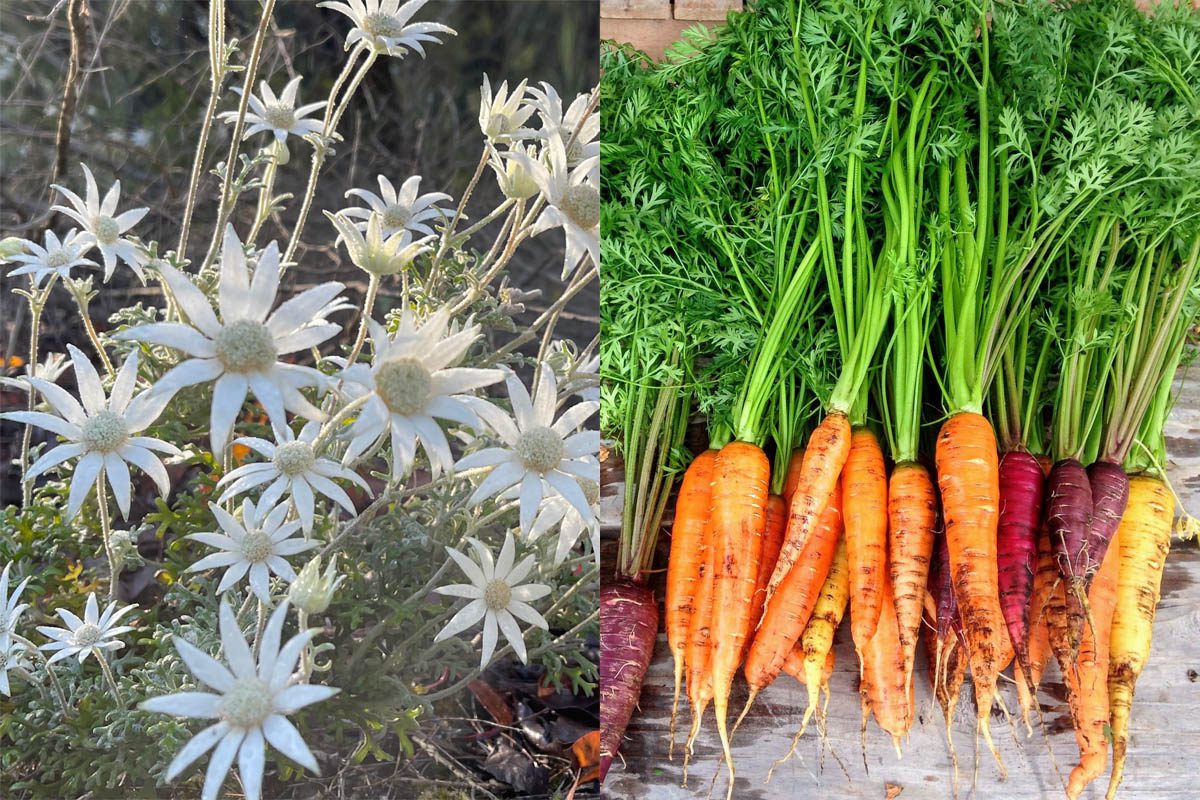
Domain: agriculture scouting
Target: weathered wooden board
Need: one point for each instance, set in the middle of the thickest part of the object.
(1165, 736)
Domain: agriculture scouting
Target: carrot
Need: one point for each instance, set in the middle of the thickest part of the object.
(628, 628)
(947, 647)
(912, 521)
(1086, 677)
(792, 479)
(814, 651)
(1038, 647)
(826, 454)
(884, 690)
(1021, 489)
(789, 609)
(1143, 541)
(772, 542)
(698, 655)
(739, 501)
(685, 569)
(968, 477)
(865, 513)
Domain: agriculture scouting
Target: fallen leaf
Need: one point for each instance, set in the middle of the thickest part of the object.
(587, 756)
(893, 791)
(490, 699)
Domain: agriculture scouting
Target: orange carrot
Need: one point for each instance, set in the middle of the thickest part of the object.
(865, 512)
(822, 465)
(792, 479)
(772, 542)
(789, 609)
(1086, 677)
(884, 691)
(739, 502)
(685, 569)
(912, 521)
(968, 477)
(1044, 579)
(816, 643)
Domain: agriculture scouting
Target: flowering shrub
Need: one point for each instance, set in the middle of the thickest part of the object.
(317, 498)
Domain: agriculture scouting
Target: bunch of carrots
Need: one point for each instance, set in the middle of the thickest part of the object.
(959, 251)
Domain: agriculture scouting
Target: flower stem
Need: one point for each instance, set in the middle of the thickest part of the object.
(258, 630)
(108, 676)
(37, 303)
(197, 165)
(114, 569)
(264, 195)
(82, 302)
(368, 307)
(235, 143)
(306, 653)
(58, 692)
(330, 128)
(458, 212)
(329, 427)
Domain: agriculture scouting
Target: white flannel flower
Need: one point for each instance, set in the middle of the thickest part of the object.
(279, 115)
(514, 180)
(250, 703)
(312, 591)
(102, 226)
(256, 545)
(373, 252)
(413, 382)
(496, 597)
(573, 202)
(537, 448)
(590, 370)
(294, 469)
(384, 25)
(398, 211)
(564, 124)
(10, 606)
(91, 635)
(241, 350)
(557, 510)
(58, 256)
(12, 656)
(100, 433)
(502, 116)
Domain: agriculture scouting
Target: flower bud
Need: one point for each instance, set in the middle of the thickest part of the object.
(312, 592)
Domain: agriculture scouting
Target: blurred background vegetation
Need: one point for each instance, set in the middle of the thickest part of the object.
(142, 91)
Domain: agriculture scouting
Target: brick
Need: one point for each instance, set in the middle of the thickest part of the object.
(635, 9)
(705, 9)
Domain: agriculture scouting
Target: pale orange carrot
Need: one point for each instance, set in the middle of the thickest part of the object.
(865, 514)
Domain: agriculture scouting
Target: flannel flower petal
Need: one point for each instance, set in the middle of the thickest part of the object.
(91, 635)
(240, 352)
(384, 25)
(412, 382)
(248, 706)
(497, 597)
(398, 211)
(57, 256)
(277, 115)
(573, 201)
(538, 451)
(256, 546)
(102, 226)
(10, 606)
(577, 129)
(557, 510)
(294, 470)
(101, 433)
(371, 251)
(502, 116)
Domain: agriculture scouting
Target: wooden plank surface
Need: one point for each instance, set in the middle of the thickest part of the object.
(1165, 728)
(635, 9)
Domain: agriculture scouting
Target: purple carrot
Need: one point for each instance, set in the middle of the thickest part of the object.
(628, 628)
(1110, 493)
(1021, 489)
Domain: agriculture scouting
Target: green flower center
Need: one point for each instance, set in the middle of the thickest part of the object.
(379, 24)
(104, 432)
(404, 385)
(497, 595)
(58, 258)
(591, 490)
(246, 346)
(246, 705)
(86, 635)
(540, 449)
(582, 204)
(106, 230)
(257, 546)
(280, 116)
(396, 216)
(294, 458)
